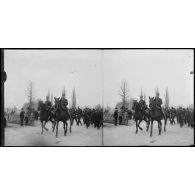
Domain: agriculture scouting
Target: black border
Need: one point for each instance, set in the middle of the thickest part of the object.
(3, 78)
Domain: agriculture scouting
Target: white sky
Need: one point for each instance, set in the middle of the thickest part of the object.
(83, 69)
(54, 70)
(146, 70)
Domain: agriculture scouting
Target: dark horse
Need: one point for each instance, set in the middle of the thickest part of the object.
(139, 116)
(156, 115)
(45, 116)
(61, 115)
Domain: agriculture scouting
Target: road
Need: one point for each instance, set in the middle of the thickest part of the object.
(125, 136)
(15, 135)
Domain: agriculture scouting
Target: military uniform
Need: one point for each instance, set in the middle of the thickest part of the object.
(158, 102)
(142, 104)
(64, 104)
(48, 105)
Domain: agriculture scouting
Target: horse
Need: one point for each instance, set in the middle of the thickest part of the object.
(45, 116)
(61, 115)
(156, 115)
(139, 116)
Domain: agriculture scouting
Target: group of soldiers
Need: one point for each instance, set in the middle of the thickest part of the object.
(89, 116)
(183, 115)
(27, 116)
(95, 116)
(118, 115)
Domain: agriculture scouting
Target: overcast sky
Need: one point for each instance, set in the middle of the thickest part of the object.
(146, 70)
(96, 78)
(54, 70)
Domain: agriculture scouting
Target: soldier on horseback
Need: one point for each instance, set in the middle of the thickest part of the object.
(158, 102)
(64, 104)
(48, 104)
(142, 104)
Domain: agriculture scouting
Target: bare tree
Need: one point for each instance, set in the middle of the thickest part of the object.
(30, 93)
(124, 92)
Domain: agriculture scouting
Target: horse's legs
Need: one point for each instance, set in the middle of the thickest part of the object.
(42, 127)
(147, 125)
(159, 126)
(151, 128)
(70, 127)
(53, 124)
(57, 128)
(139, 124)
(65, 128)
(136, 122)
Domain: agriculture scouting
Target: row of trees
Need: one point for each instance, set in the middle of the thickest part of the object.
(123, 93)
(125, 98)
(31, 95)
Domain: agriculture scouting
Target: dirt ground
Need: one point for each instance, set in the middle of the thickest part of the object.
(15, 135)
(125, 136)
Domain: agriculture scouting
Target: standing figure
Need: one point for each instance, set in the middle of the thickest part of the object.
(115, 116)
(120, 116)
(26, 119)
(22, 116)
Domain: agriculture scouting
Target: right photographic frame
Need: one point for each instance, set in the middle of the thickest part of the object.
(148, 97)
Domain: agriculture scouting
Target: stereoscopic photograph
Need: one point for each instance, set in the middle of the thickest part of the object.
(98, 97)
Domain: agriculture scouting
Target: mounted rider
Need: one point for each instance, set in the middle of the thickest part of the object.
(142, 104)
(48, 104)
(158, 102)
(64, 104)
